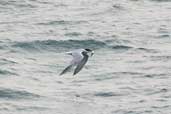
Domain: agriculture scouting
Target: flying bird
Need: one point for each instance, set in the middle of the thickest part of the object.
(80, 58)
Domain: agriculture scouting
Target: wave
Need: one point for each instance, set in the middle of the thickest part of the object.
(65, 45)
(161, 0)
(16, 4)
(61, 22)
(5, 72)
(122, 47)
(148, 50)
(4, 61)
(16, 94)
(106, 94)
(53, 45)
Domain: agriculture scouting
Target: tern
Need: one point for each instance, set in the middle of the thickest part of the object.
(80, 58)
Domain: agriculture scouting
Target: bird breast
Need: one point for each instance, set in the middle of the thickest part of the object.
(77, 57)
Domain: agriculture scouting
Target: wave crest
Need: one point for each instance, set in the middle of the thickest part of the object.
(53, 45)
(16, 94)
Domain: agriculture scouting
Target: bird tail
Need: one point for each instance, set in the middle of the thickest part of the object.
(66, 70)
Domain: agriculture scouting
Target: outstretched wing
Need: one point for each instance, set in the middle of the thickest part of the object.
(81, 64)
(66, 70)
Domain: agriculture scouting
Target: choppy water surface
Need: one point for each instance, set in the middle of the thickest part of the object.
(130, 72)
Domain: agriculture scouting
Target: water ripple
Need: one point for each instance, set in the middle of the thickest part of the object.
(16, 94)
(106, 94)
(6, 72)
(53, 45)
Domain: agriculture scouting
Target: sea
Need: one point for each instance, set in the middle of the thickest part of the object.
(129, 73)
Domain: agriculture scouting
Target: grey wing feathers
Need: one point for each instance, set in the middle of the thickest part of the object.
(80, 66)
(66, 70)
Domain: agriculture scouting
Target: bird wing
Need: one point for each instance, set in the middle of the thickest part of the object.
(77, 57)
(81, 64)
(66, 70)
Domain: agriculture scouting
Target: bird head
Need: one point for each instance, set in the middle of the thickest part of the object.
(89, 51)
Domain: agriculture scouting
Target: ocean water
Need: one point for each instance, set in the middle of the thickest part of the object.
(130, 72)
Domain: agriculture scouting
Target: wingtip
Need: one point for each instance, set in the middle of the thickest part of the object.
(60, 74)
(74, 73)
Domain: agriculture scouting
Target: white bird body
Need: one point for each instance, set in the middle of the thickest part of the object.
(80, 57)
(77, 56)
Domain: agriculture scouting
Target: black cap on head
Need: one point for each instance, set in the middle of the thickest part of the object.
(88, 49)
